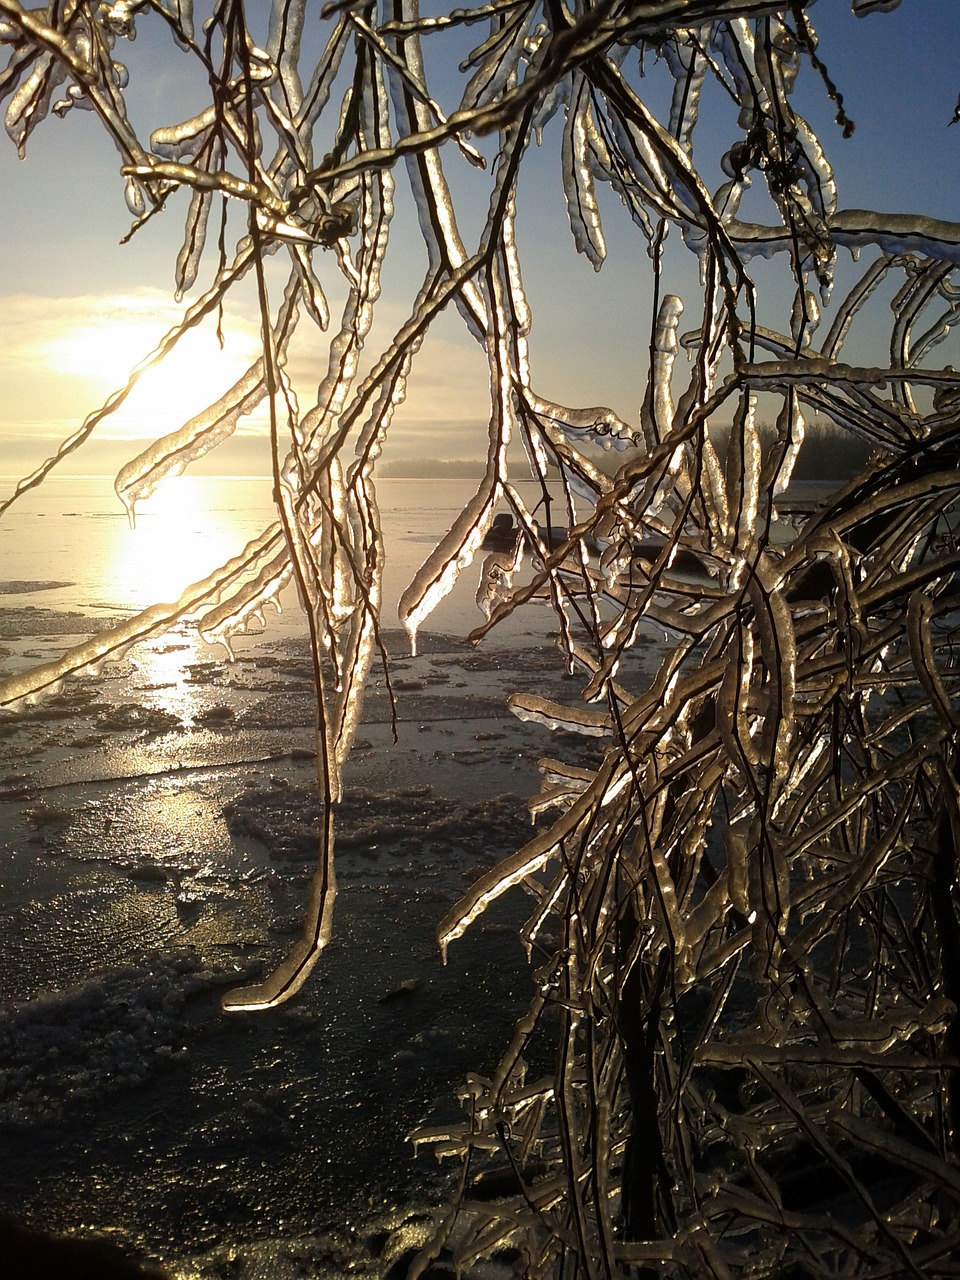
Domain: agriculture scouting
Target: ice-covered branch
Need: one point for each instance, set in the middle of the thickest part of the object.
(743, 933)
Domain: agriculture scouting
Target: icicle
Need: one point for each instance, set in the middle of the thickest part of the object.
(182, 141)
(714, 492)
(496, 72)
(283, 44)
(790, 428)
(605, 424)
(733, 702)
(527, 706)
(774, 623)
(313, 295)
(534, 855)
(657, 412)
(357, 316)
(667, 903)
(556, 97)
(287, 979)
(195, 235)
(715, 903)
(438, 574)
(181, 11)
(31, 102)
(496, 578)
(821, 183)
(804, 317)
(171, 454)
(432, 196)
(742, 481)
(232, 615)
(735, 44)
(133, 195)
(687, 68)
(578, 184)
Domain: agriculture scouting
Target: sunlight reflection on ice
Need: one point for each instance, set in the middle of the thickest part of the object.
(164, 665)
(177, 540)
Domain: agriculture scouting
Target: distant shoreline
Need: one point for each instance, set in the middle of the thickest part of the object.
(390, 471)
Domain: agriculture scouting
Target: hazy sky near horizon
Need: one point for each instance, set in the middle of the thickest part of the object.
(77, 310)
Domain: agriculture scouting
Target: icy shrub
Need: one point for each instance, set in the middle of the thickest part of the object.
(744, 942)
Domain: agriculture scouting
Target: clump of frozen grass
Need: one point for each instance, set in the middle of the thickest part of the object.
(745, 942)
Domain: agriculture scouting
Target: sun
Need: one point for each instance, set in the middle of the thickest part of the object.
(103, 349)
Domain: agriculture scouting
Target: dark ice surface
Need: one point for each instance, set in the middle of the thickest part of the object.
(157, 835)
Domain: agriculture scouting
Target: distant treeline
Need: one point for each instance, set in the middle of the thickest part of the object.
(827, 453)
(431, 468)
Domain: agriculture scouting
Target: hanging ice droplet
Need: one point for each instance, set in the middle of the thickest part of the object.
(134, 198)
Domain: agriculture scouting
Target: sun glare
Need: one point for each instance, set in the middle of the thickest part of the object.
(179, 537)
(102, 351)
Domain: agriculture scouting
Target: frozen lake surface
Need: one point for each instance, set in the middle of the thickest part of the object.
(157, 833)
(68, 545)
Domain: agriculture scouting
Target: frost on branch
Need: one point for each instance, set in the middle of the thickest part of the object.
(744, 940)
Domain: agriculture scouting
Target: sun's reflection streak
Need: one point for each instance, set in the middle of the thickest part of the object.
(163, 671)
(180, 536)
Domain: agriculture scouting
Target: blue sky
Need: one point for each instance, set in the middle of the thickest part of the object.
(76, 308)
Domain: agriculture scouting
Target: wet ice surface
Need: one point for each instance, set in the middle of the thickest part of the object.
(156, 840)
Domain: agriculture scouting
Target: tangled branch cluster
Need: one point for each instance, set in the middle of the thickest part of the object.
(745, 938)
